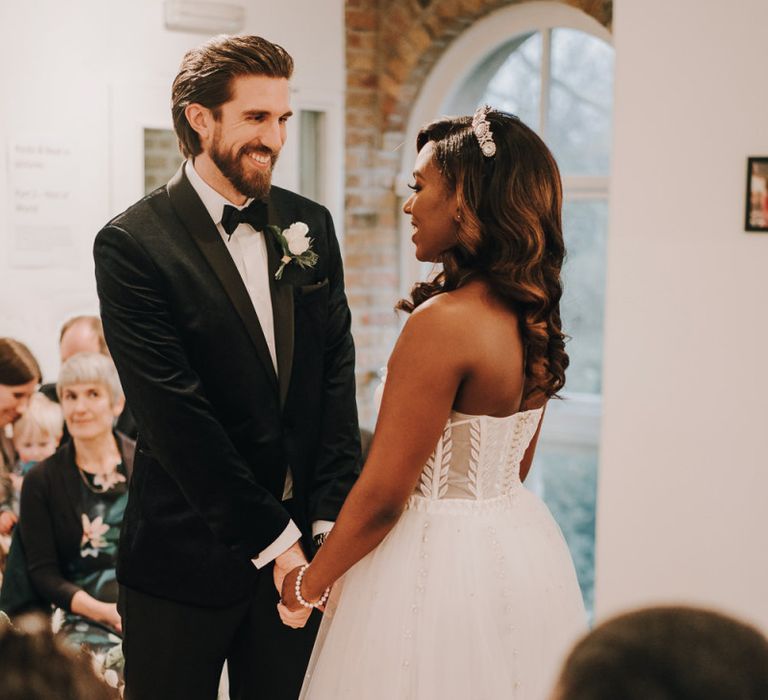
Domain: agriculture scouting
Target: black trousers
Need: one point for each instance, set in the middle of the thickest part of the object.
(177, 651)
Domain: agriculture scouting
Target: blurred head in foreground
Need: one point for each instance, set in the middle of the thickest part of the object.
(35, 665)
(667, 653)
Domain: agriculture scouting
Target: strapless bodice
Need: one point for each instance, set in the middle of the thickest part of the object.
(478, 457)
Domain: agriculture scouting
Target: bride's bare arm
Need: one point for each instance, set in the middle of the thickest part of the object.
(424, 373)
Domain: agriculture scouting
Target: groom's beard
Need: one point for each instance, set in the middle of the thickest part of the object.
(254, 184)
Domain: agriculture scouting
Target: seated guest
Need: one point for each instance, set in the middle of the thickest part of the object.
(81, 334)
(667, 653)
(35, 665)
(86, 334)
(19, 377)
(36, 436)
(72, 506)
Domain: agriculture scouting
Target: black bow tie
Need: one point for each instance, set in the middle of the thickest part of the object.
(254, 214)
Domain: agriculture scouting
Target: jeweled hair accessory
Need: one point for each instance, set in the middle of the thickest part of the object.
(482, 129)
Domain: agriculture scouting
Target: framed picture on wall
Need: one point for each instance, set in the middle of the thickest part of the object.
(757, 194)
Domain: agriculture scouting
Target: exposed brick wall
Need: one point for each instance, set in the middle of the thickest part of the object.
(391, 47)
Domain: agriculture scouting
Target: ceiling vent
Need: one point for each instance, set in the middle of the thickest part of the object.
(204, 17)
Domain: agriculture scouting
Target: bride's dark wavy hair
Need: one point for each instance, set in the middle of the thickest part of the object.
(509, 233)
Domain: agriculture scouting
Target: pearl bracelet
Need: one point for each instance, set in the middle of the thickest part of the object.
(297, 590)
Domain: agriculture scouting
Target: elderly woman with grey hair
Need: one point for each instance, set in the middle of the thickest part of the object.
(72, 506)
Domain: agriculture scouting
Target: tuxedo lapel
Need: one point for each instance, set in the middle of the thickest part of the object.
(197, 221)
(282, 307)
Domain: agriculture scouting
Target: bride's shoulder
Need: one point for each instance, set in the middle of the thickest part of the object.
(434, 341)
(445, 320)
(441, 310)
(466, 304)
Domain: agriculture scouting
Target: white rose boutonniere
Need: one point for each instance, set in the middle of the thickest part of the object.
(296, 246)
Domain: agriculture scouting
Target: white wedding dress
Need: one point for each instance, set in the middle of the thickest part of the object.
(471, 596)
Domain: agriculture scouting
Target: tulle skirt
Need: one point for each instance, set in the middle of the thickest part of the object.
(464, 600)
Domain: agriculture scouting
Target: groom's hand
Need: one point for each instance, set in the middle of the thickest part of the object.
(291, 558)
(290, 561)
(293, 619)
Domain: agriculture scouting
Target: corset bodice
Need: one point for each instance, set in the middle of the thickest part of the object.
(478, 457)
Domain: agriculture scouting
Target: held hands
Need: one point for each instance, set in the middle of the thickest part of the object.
(288, 595)
(289, 607)
(295, 580)
(294, 620)
(289, 562)
(288, 571)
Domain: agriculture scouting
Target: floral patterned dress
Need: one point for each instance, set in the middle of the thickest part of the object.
(102, 504)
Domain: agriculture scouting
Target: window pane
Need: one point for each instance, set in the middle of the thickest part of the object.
(161, 157)
(580, 102)
(566, 479)
(311, 126)
(585, 226)
(516, 85)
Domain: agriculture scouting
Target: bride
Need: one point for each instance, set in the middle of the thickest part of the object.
(457, 581)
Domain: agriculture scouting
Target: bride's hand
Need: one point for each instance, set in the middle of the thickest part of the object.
(288, 597)
(288, 592)
(291, 612)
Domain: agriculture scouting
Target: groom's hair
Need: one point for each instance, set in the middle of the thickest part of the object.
(206, 73)
(667, 653)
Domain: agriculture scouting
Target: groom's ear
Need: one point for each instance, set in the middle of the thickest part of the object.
(201, 120)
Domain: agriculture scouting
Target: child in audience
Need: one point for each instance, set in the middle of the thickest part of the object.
(36, 436)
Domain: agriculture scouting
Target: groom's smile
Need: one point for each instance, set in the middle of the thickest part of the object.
(261, 160)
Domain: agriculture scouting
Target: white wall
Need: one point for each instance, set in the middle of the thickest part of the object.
(683, 491)
(90, 75)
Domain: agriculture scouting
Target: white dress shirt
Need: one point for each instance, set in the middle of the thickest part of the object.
(249, 253)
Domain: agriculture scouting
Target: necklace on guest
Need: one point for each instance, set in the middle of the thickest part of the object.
(101, 482)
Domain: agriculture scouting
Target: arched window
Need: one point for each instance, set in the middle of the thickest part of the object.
(552, 66)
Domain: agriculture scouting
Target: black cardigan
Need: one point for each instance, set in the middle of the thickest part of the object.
(49, 520)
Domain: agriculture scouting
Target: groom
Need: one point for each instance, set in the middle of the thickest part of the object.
(242, 385)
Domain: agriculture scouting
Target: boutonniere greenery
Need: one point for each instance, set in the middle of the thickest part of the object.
(296, 246)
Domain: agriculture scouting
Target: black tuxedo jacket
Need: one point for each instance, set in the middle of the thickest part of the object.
(217, 427)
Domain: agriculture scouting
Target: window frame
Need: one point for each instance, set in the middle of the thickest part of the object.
(574, 424)
(448, 76)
